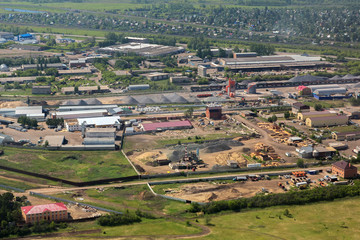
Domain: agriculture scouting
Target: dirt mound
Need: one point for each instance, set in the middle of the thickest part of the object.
(234, 190)
(217, 148)
(211, 197)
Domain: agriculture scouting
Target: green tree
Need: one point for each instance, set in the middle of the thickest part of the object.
(300, 163)
(286, 115)
(189, 112)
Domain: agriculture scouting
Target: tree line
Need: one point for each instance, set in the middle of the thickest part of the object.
(317, 194)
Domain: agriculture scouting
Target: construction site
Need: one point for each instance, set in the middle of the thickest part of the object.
(250, 185)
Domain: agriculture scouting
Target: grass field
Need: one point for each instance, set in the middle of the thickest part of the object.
(17, 184)
(69, 165)
(146, 227)
(130, 197)
(336, 220)
(325, 103)
(326, 220)
(340, 129)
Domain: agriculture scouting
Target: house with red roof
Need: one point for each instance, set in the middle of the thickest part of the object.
(49, 212)
(344, 169)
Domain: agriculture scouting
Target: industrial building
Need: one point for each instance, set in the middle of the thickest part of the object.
(81, 71)
(100, 133)
(214, 112)
(7, 36)
(110, 121)
(327, 86)
(244, 54)
(59, 66)
(351, 113)
(67, 108)
(251, 88)
(328, 92)
(304, 115)
(138, 87)
(29, 111)
(68, 90)
(143, 49)
(49, 212)
(156, 76)
(41, 90)
(344, 169)
(80, 114)
(18, 80)
(327, 121)
(72, 125)
(349, 136)
(275, 62)
(304, 90)
(99, 141)
(153, 63)
(77, 63)
(93, 89)
(163, 126)
(300, 108)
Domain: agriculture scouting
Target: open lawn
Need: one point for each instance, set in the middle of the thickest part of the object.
(325, 103)
(69, 165)
(17, 184)
(325, 220)
(152, 227)
(340, 129)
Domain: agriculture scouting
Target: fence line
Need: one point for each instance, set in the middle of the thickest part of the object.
(12, 188)
(133, 166)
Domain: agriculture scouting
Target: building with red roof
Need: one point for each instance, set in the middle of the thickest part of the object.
(162, 126)
(48, 212)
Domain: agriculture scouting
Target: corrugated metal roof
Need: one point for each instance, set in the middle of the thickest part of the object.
(100, 121)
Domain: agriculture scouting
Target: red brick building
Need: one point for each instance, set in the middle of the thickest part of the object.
(214, 113)
(344, 169)
(48, 212)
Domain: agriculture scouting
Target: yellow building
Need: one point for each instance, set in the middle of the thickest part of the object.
(304, 115)
(327, 121)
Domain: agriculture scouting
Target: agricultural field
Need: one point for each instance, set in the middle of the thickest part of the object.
(325, 220)
(73, 166)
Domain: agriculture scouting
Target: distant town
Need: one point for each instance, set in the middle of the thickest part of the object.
(153, 137)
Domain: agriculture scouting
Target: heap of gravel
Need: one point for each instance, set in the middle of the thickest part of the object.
(176, 98)
(144, 99)
(161, 99)
(93, 101)
(130, 100)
